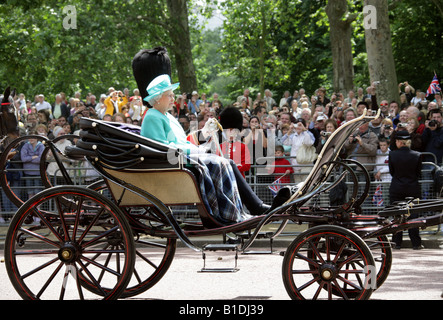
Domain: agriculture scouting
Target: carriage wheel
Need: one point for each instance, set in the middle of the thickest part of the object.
(382, 251)
(153, 255)
(326, 261)
(153, 258)
(15, 189)
(69, 231)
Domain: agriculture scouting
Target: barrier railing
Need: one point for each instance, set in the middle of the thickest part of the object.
(258, 177)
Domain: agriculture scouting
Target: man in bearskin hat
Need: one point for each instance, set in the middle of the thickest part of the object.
(231, 120)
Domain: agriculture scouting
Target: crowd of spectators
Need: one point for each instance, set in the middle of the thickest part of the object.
(289, 121)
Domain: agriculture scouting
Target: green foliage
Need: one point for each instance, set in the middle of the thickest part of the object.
(280, 45)
(417, 41)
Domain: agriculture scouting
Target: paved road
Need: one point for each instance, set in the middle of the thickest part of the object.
(415, 275)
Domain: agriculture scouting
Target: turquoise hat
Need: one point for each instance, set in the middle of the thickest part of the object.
(159, 85)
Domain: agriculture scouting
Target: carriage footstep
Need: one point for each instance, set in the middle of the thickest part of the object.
(214, 247)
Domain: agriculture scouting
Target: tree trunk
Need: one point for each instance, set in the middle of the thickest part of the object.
(262, 42)
(379, 49)
(181, 49)
(340, 36)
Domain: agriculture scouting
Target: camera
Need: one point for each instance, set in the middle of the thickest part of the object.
(354, 140)
(387, 127)
(402, 125)
(326, 134)
(433, 123)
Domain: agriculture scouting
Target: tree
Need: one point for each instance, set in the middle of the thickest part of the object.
(172, 30)
(379, 49)
(341, 46)
(416, 39)
(38, 54)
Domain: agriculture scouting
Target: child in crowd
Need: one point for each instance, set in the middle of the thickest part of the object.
(381, 172)
(280, 166)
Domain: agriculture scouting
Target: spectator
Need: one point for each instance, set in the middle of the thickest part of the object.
(42, 104)
(185, 123)
(30, 154)
(44, 116)
(381, 172)
(375, 125)
(269, 100)
(181, 105)
(244, 107)
(91, 101)
(301, 136)
(362, 146)
(42, 130)
(61, 121)
(350, 114)
(408, 92)
(59, 108)
(115, 102)
(386, 129)
(286, 130)
(416, 138)
(31, 122)
(100, 108)
(53, 169)
(330, 127)
(284, 99)
(281, 166)
(246, 93)
(433, 137)
(321, 98)
(405, 166)
(419, 97)
(194, 103)
(403, 117)
(438, 100)
(119, 117)
(256, 140)
(414, 112)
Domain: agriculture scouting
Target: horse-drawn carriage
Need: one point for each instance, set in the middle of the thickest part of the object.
(117, 237)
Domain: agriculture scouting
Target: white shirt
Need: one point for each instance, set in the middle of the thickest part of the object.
(382, 160)
(306, 138)
(43, 105)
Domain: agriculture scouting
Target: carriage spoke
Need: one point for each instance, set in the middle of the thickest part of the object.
(46, 284)
(62, 218)
(148, 261)
(43, 266)
(91, 224)
(40, 237)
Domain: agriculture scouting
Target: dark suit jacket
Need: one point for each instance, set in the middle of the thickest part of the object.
(405, 168)
(66, 111)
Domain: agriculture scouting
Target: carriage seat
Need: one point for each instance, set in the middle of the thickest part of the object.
(121, 146)
(119, 151)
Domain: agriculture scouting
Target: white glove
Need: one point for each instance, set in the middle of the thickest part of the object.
(211, 126)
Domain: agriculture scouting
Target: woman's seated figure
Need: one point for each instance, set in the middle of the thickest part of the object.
(224, 190)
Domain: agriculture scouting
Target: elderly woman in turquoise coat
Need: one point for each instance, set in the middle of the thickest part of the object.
(223, 188)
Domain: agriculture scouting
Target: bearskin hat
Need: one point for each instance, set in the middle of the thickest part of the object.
(148, 64)
(231, 118)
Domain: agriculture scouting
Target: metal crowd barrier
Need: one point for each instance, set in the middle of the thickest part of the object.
(258, 178)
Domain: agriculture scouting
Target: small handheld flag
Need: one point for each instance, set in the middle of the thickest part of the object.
(434, 87)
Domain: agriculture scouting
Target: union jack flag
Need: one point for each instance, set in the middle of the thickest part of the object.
(377, 199)
(434, 87)
(275, 186)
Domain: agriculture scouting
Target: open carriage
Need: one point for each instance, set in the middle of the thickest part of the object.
(117, 238)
